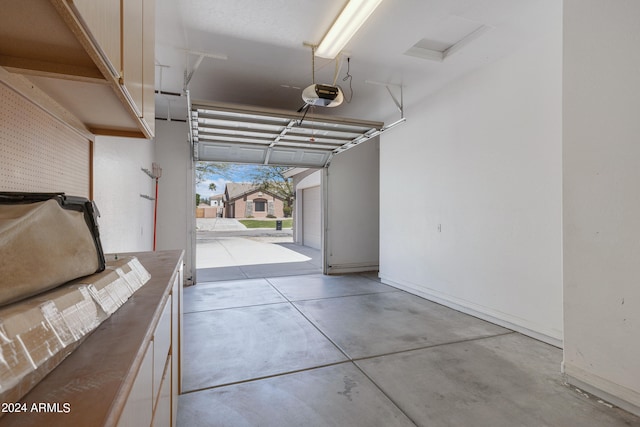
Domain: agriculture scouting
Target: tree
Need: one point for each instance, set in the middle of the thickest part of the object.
(204, 169)
(272, 179)
(197, 199)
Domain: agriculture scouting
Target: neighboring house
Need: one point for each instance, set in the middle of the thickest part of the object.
(203, 210)
(213, 209)
(217, 200)
(244, 200)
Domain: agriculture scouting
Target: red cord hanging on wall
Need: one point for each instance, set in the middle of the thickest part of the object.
(157, 173)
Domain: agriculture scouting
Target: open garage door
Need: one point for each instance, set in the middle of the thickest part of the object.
(241, 134)
(253, 135)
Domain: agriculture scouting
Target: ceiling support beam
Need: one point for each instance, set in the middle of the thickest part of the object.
(399, 103)
(372, 133)
(201, 55)
(188, 77)
(367, 136)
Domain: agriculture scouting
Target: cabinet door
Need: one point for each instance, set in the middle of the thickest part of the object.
(102, 20)
(162, 415)
(176, 296)
(139, 407)
(132, 58)
(161, 346)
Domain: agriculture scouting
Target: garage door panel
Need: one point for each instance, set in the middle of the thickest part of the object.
(299, 157)
(243, 134)
(231, 153)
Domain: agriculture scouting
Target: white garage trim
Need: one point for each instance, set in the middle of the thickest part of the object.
(311, 217)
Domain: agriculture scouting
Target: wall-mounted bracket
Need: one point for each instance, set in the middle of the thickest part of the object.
(148, 172)
(156, 173)
(372, 133)
(399, 103)
(188, 75)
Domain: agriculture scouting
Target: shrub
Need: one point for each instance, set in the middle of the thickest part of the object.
(271, 216)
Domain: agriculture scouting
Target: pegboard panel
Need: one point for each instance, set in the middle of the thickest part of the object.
(37, 152)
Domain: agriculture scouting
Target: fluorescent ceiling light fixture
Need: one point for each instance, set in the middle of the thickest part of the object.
(354, 14)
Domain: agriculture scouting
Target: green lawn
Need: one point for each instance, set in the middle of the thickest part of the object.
(265, 223)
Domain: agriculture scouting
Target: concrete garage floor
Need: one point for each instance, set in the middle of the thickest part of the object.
(315, 350)
(232, 258)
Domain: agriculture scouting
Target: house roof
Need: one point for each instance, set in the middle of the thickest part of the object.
(235, 190)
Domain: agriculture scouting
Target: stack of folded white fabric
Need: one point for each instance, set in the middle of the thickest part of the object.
(37, 333)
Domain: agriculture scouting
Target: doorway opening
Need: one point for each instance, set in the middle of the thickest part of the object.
(270, 137)
(244, 223)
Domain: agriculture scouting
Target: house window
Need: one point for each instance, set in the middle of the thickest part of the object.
(260, 205)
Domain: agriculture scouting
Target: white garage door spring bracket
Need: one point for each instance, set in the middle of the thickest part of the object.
(375, 132)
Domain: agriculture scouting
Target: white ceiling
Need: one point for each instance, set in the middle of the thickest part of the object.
(263, 43)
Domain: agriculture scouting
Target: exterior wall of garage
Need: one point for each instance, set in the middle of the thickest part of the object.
(245, 207)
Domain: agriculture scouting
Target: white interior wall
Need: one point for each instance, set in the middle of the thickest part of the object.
(309, 178)
(352, 196)
(126, 221)
(601, 198)
(472, 184)
(176, 203)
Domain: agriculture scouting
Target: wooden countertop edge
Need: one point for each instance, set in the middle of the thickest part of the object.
(71, 385)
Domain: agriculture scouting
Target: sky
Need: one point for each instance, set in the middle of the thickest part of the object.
(240, 173)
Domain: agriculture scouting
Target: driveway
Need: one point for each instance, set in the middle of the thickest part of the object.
(218, 224)
(235, 251)
(225, 242)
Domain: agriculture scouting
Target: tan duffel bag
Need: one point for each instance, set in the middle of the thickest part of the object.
(46, 239)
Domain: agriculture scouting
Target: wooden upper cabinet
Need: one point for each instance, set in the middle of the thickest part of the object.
(125, 32)
(149, 63)
(94, 58)
(132, 58)
(102, 20)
